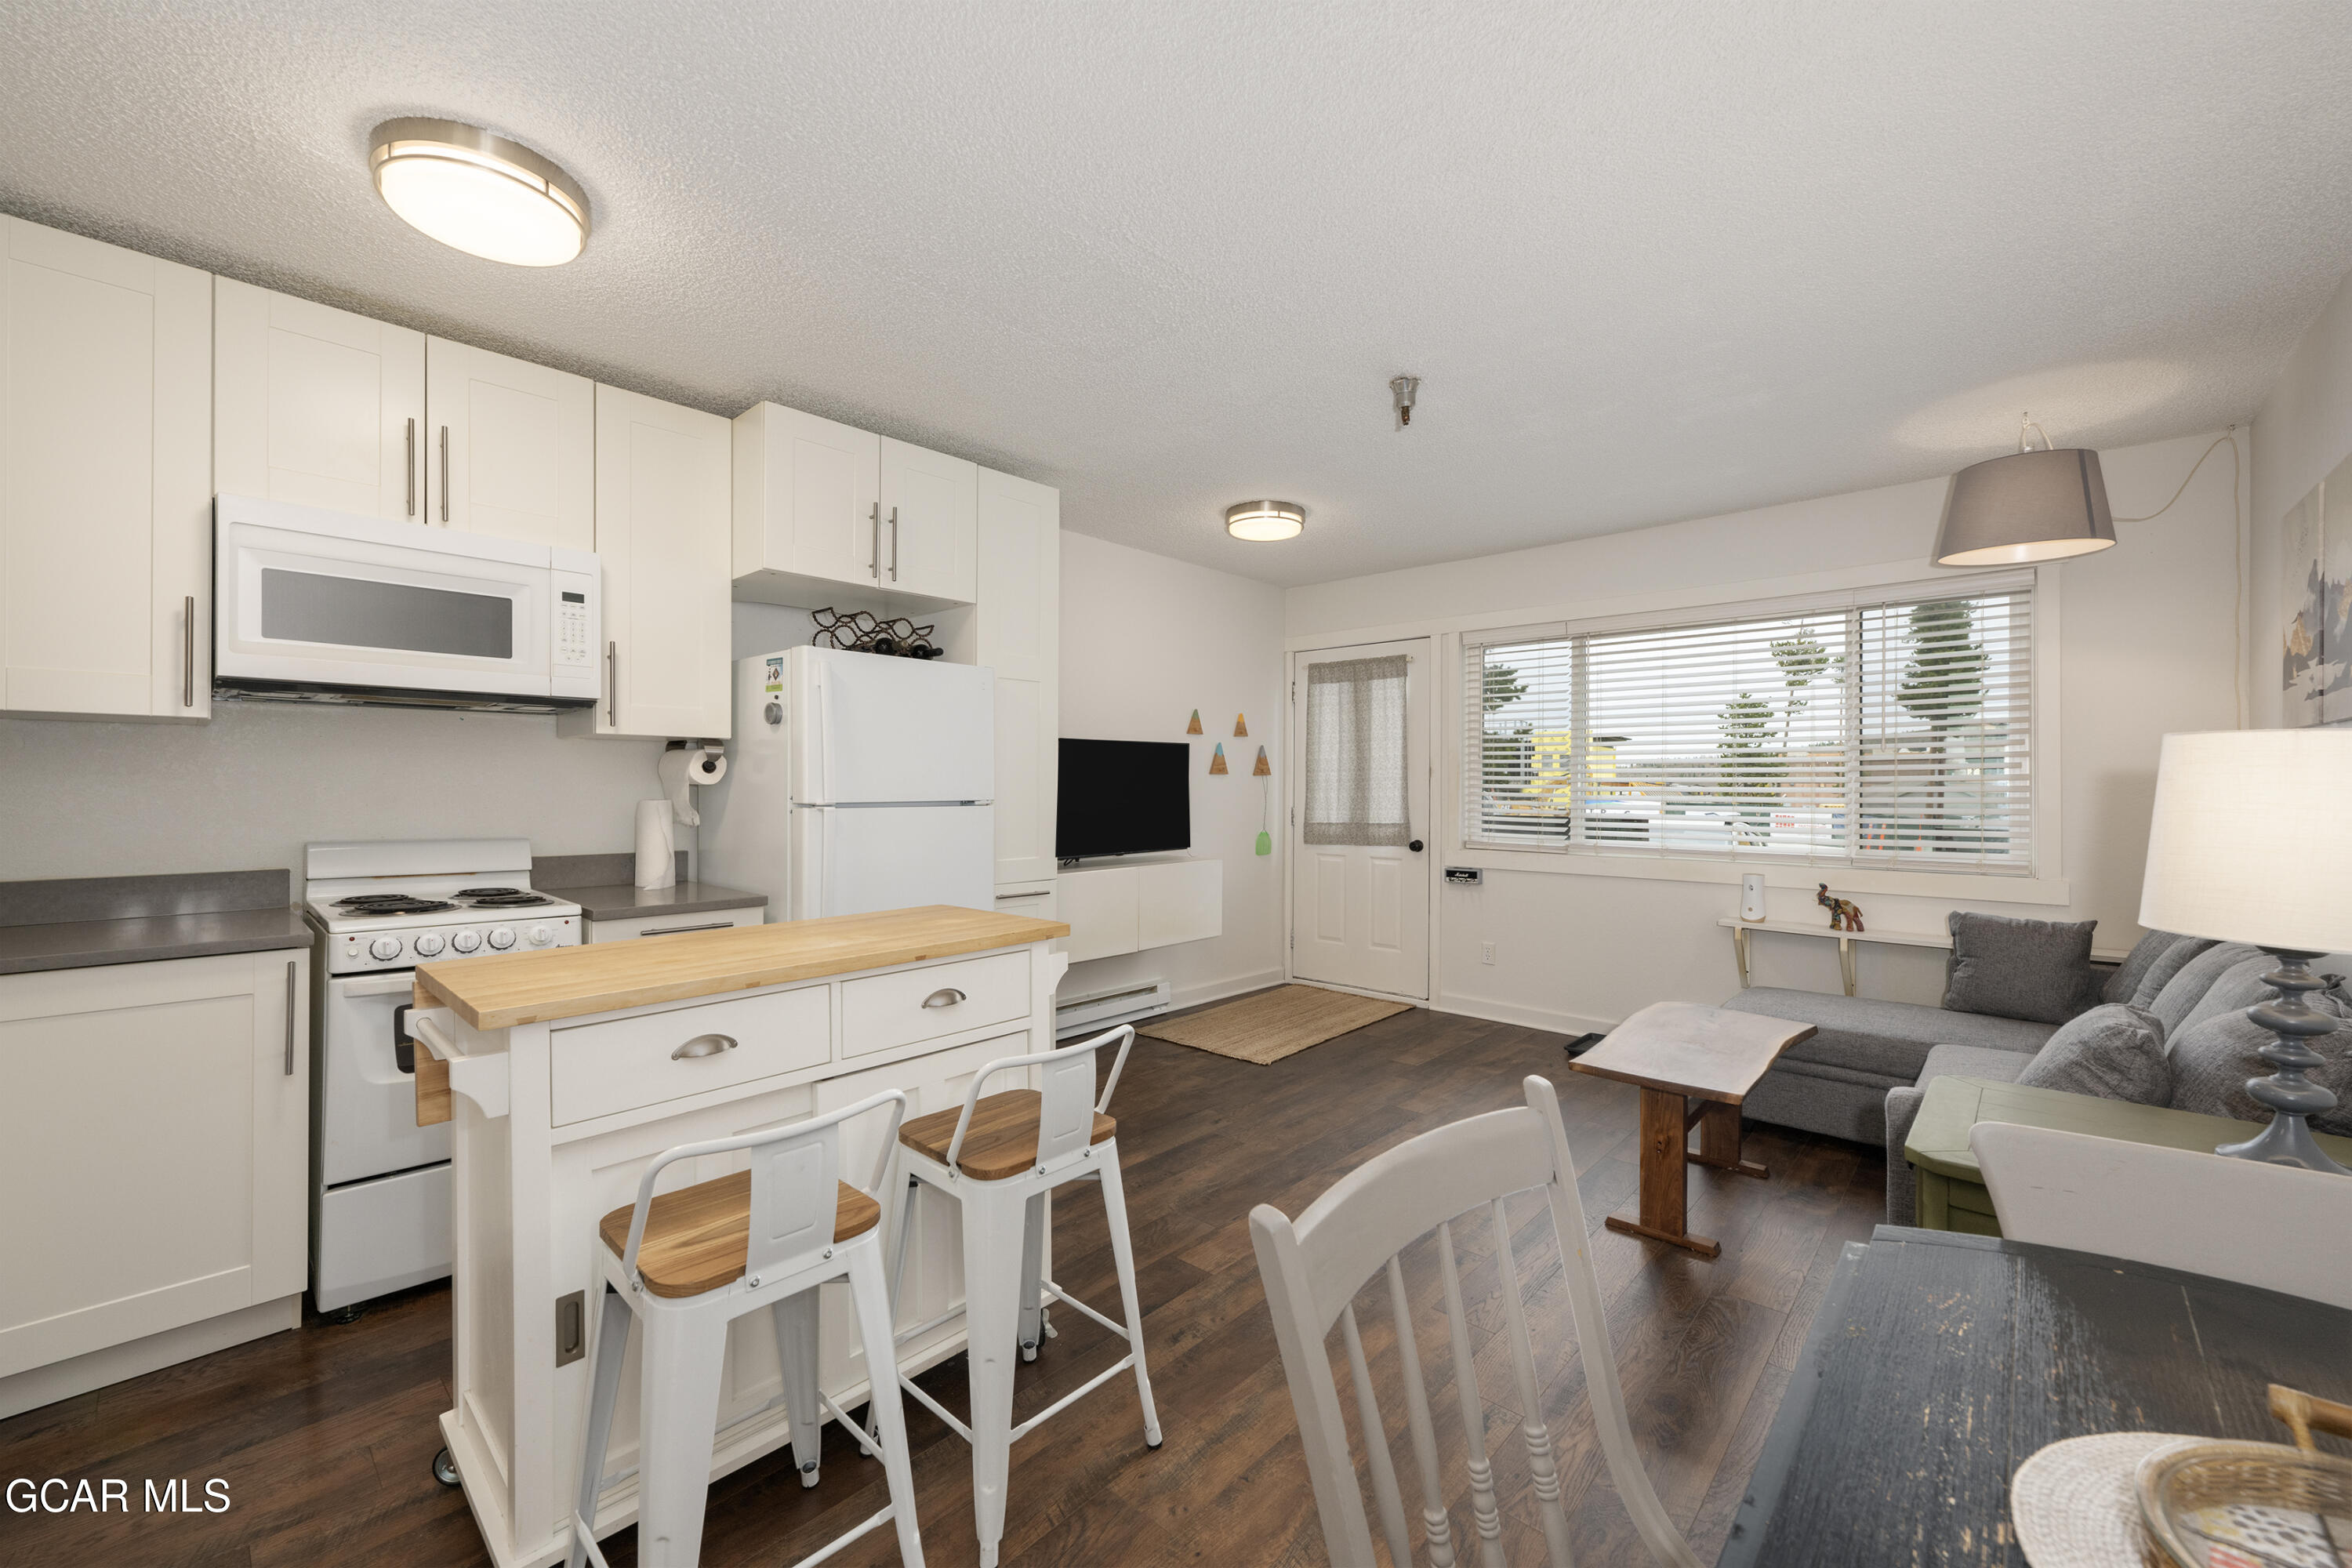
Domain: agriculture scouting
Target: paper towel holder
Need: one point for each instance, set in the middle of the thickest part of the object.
(686, 765)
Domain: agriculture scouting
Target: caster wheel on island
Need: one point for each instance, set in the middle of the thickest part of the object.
(445, 1469)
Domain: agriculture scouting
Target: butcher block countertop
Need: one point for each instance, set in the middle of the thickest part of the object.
(512, 988)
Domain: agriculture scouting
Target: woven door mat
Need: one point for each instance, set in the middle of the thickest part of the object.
(1275, 1024)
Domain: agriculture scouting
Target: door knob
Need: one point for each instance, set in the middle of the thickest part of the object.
(1414, 846)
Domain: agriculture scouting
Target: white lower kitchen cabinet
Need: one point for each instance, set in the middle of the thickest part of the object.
(154, 1141)
(663, 534)
(1140, 903)
(105, 480)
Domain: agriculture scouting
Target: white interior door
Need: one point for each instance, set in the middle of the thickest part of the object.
(1360, 816)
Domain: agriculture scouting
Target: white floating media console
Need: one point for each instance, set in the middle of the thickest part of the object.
(1147, 901)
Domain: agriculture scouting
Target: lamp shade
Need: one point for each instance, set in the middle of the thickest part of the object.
(2027, 505)
(2251, 838)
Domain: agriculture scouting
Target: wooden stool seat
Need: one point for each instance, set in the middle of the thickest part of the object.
(1002, 1141)
(696, 1238)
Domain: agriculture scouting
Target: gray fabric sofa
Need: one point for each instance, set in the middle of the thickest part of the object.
(1863, 1076)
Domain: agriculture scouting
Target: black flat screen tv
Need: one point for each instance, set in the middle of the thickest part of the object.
(1123, 797)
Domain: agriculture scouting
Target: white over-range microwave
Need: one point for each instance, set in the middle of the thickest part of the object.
(313, 605)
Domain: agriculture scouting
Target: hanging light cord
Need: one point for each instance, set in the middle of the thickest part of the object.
(2231, 441)
(2237, 547)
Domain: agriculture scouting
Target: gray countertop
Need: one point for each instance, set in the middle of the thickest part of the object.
(621, 901)
(82, 944)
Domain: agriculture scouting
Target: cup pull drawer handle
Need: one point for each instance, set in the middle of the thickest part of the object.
(703, 1045)
(945, 996)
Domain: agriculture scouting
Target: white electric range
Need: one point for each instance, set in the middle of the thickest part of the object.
(380, 1187)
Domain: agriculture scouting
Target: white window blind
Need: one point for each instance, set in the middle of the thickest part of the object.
(1888, 730)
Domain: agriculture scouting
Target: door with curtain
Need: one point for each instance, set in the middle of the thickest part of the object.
(1360, 816)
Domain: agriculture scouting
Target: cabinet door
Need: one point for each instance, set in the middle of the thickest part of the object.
(663, 537)
(316, 407)
(105, 480)
(930, 501)
(1019, 636)
(509, 447)
(804, 501)
(160, 1115)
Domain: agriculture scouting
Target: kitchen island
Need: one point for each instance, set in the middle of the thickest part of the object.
(564, 1072)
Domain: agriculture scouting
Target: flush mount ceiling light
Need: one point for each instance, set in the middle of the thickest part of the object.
(2043, 505)
(482, 194)
(1263, 521)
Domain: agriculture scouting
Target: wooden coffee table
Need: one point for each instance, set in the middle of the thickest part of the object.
(1677, 1053)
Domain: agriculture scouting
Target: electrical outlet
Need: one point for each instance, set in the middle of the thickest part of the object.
(1485, 952)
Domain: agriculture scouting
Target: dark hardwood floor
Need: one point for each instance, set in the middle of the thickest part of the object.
(325, 1434)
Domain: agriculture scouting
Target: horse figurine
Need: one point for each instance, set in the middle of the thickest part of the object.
(1845, 913)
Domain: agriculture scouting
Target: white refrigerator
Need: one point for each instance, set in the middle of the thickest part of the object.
(859, 782)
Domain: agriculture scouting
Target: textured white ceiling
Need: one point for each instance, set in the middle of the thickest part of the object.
(1652, 259)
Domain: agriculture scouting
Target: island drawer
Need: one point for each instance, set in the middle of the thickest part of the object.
(889, 1010)
(597, 1069)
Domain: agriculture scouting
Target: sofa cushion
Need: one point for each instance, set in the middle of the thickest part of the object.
(2186, 989)
(2213, 1060)
(2167, 964)
(2241, 986)
(2115, 1052)
(1889, 1040)
(2135, 966)
(1974, 1062)
(2009, 968)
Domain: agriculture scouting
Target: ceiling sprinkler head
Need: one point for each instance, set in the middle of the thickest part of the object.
(1404, 386)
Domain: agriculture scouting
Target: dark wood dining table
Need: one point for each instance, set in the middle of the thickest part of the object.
(1938, 1363)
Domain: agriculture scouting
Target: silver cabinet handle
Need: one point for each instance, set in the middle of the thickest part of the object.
(894, 544)
(613, 684)
(682, 931)
(290, 1017)
(873, 565)
(703, 1045)
(945, 996)
(411, 467)
(1040, 893)
(445, 473)
(188, 653)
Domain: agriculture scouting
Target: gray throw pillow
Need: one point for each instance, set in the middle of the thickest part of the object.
(2115, 1052)
(2033, 970)
(2134, 967)
(2211, 1062)
(2240, 986)
(2168, 963)
(2184, 990)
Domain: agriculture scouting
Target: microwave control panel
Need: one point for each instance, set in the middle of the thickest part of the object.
(575, 634)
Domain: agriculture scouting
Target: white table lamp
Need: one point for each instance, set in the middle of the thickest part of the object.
(2251, 842)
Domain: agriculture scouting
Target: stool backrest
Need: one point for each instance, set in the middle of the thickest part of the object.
(794, 1172)
(1313, 1269)
(1067, 1102)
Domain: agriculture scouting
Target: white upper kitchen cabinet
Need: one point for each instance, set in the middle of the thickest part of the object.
(806, 519)
(663, 539)
(928, 504)
(509, 447)
(1016, 631)
(316, 405)
(105, 480)
(826, 514)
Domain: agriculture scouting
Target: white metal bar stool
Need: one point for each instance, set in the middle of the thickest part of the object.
(998, 1157)
(692, 1262)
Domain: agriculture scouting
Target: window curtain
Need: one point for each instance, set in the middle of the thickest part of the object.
(1356, 751)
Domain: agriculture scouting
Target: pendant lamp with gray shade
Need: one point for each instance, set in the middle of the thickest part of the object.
(2027, 505)
(2252, 841)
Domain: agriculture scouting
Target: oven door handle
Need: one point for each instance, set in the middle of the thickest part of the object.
(403, 1049)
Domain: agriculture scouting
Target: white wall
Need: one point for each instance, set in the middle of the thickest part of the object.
(2302, 431)
(249, 789)
(2149, 643)
(1145, 641)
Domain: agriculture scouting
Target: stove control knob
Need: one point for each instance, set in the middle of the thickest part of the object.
(539, 935)
(467, 940)
(501, 938)
(384, 947)
(428, 945)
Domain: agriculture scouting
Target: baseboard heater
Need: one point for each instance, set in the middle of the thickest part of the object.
(1098, 1010)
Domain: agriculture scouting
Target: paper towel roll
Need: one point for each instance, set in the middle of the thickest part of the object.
(684, 768)
(656, 845)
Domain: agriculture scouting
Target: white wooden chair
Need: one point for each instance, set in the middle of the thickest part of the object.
(2277, 1226)
(999, 1156)
(1313, 1269)
(690, 1262)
